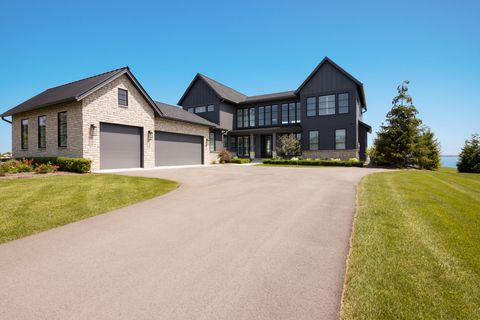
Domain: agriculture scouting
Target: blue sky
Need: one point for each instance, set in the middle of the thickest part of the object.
(255, 47)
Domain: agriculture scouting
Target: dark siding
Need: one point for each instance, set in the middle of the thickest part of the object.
(362, 138)
(226, 115)
(201, 94)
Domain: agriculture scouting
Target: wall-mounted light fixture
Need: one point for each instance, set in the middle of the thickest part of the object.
(93, 130)
(150, 135)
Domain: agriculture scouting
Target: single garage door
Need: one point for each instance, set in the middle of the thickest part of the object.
(120, 146)
(173, 149)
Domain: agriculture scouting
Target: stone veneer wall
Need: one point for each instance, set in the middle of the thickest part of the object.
(74, 132)
(331, 154)
(167, 125)
(102, 106)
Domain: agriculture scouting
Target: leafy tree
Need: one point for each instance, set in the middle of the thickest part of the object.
(289, 146)
(397, 140)
(470, 156)
(427, 152)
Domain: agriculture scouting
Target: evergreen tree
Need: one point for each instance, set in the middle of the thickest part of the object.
(470, 156)
(427, 150)
(396, 142)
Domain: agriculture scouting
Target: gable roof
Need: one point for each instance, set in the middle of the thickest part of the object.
(328, 60)
(76, 91)
(177, 113)
(221, 90)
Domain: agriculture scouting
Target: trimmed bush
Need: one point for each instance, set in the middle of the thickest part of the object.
(78, 165)
(316, 162)
(44, 168)
(240, 160)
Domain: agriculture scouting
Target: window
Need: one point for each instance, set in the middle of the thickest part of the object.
(261, 116)
(245, 118)
(343, 103)
(284, 113)
(239, 118)
(211, 141)
(252, 117)
(298, 116)
(42, 139)
(122, 97)
(24, 133)
(191, 110)
(62, 129)
(340, 136)
(268, 115)
(274, 115)
(327, 105)
(291, 113)
(225, 141)
(210, 108)
(243, 146)
(201, 109)
(233, 144)
(313, 140)
(311, 106)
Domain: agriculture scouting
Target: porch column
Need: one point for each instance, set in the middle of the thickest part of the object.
(252, 146)
(274, 145)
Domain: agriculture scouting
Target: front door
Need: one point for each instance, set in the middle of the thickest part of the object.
(267, 146)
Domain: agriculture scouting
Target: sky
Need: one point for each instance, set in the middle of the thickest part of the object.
(255, 47)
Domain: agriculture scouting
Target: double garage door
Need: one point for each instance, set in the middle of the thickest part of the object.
(122, 147)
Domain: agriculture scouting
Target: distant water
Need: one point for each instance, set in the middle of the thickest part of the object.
(449, 161)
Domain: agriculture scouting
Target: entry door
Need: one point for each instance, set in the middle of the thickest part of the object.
(267, 146)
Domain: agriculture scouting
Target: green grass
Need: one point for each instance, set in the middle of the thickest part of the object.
(33, 205)
(415, 248)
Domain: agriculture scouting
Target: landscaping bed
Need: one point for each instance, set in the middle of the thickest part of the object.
(29, 167)
(315, 162)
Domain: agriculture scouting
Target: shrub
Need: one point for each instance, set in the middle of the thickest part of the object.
(24, 166)
(224, 156)
(2, 171)
(316, 162)
(78, 165)
(470, 156)
(45, 168)
(240, 160)
(9, 166)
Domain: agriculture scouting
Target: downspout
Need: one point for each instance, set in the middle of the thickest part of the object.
(3, 118)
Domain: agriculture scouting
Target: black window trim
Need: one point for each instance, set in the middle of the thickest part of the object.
(335, 138)
(338, 102)
(318, 140)
(316, 111)
(126, 97)
(22, 146)
(38, 132)
(335, 107)
(58, 130)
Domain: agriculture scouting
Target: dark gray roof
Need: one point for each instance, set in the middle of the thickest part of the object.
(74, 91)
(177, 113)
(366, 126)
(270, 96)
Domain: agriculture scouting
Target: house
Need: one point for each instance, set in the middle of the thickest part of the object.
(325, 113)
(110, 119)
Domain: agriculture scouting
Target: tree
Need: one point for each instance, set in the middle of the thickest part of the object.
(289, 146)
(427, 152)
(470, 156)
(396, 141)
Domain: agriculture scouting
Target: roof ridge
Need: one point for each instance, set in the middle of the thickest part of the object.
(202, 75)
(266, 94)
(97, 75)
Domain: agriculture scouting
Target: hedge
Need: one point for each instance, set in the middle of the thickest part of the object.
(240, 160)
(79, 165)
(316, 162)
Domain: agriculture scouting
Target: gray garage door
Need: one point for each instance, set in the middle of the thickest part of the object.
(120, 146)
(173, 149)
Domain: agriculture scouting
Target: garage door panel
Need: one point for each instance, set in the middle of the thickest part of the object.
(177, 149)
(120, 146)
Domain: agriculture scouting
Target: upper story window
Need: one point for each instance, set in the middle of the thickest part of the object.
(268, 115)
(191, 110)
(122, 97)
(210, 108)
(291, 113)
(24, 133)
(252, 117)
(274, 115)
(239, 118)
(201, 109)
(343, 103)
(313, 140)
(261, 116)
(340, 138)
(284, 113)
(311, 106)
(245, 118)
(326, 105)
(42, 138)
(62, 129)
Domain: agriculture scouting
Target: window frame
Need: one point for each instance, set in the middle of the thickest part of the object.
(59, 129)
(252, 116)
(261, 116)
(200, 109)
(315, 110)
(24, 138)
(328, 108)
(310, 140)
(275, 114)
(191, 109)
(268, 115)
(211, 142)
(344, 141)
(239, 118)
(119, 100)
(210, 108)
(348, 102)
(246, 117)
(42, 143)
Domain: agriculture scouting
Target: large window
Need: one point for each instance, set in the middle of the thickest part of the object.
(268, 115)
(285, 113)
(24, 133)
(252, 117)
(343, 103)
(245, 118)
(297, 112)
(62, 129)
(261, 116)
(211, 141)
(243, 146)
(42, 139)
(122, 97)
(313, 140)
(311, 106)
(340, 137)
(274, 115)
(239, 118)
(327, 105)
(291, 113)
(233, 144)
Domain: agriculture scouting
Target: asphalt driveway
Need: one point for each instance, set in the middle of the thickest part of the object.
(233, 242)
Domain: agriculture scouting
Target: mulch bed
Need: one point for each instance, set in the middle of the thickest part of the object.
(27, 175)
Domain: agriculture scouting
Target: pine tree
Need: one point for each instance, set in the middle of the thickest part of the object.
(470, 156)
(427, 150)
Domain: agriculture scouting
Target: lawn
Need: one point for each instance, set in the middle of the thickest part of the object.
(37, 204)
(415, 247)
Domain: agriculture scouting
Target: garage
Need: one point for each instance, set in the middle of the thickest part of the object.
(173, 149)
(120, 146)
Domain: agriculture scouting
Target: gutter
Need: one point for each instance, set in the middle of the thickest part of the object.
(3, 118)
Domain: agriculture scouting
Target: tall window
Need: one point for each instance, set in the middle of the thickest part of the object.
(233, 144)
(24, 133)
(245, 118)
(252, 117)
(327, 105)
(122, 97)
(239, 118)
(311, 106)
(62, 129)
(343, 103)
(243, 146)
(211, 141)
(284, 113)
(274, 115)
(268, 115)
(313, 140)
(42, 139)
(297, 112)
(261, 116)
(292, 113)
(340, 137)
(225, 141)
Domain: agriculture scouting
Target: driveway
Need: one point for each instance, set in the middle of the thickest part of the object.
(233, 242)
